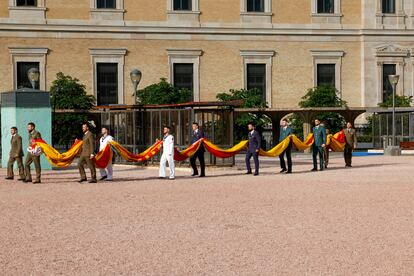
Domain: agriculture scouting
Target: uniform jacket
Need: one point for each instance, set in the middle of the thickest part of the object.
(319, 133)
(16, 146)
(350, 136)
(104, 141)
(255, 141)
(34, 135)
(197, 135)
(88, 147)
(285, 132)
(168, 145)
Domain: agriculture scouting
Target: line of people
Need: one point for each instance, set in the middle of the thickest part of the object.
(318, 148)
(87, 153)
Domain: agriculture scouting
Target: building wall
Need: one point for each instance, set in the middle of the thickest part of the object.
(220, 65)
(147, 31)
(77, 9)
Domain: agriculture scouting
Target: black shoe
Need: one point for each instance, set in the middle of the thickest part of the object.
(194, 174)
(93, 181)
(27, 181)
(321, 169)
(82, 180)
(202, 175)
(314, 170)
(103, 178)
(288, 172)
(37, 182)
(256, 174)
(9, 178)
(248, 173)
(21, 179)
(283, 170)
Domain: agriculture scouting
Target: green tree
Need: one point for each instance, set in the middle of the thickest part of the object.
(321, 96)
(252, 98)
(68, 93)
(163, 93)
(400, 101)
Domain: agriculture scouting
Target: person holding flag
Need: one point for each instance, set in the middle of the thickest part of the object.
(167, 154)
(106, 173)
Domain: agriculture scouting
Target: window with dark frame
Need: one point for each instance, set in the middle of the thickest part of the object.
(182, 5)
(256, 78)
(388, 6)
(106, 4)
(107, 83)
(255, 6)
(387, 69)
(30, 3)
(325, 75)
(184, 76)
(22, 78)
(326, 6)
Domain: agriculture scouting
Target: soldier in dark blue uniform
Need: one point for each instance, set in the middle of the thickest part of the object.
(197, 135)
(255, 141)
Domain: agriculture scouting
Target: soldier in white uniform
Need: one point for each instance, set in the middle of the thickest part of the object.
(106, 174)
(167, 153)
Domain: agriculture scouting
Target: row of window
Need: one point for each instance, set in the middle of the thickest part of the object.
(183, 76)
(323, 6)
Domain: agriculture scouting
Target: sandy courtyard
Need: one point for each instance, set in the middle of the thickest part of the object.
(357, 221)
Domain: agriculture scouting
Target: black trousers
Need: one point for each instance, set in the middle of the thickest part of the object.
(315, 151)
(288, 152)
(348, 155)
(255, 156)
(200, 155)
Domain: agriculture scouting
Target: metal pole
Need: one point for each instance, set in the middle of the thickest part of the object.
(393, 114)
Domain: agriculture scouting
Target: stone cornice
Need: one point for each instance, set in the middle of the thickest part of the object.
(108, 51)
(105, 27)
(29, 50)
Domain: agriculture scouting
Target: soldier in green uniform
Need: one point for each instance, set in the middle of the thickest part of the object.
(319, 134)
(31, 157)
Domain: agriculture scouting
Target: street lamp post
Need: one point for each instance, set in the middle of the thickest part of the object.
(393, 150)
(136, 76)
(33, 75)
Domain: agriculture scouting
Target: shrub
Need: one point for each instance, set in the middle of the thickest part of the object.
(252, 98)
(163, 93)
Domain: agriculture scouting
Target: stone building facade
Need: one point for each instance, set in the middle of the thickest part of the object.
(210, 46)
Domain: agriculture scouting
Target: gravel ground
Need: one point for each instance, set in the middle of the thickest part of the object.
(357, 221)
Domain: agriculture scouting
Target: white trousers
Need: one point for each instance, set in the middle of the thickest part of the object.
(163, 163)
(108, 172)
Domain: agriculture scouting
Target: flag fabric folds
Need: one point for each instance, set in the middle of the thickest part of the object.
(335, 142)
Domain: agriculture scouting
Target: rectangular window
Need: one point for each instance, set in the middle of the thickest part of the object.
(184, 76)
(326, 6)
(182, 5)
(387, 69)
(388, 6)
(106, 4)
(107, 83)
(326, 75)
(256, 77)
(26, 3)
(22, 78)
(255, 6)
